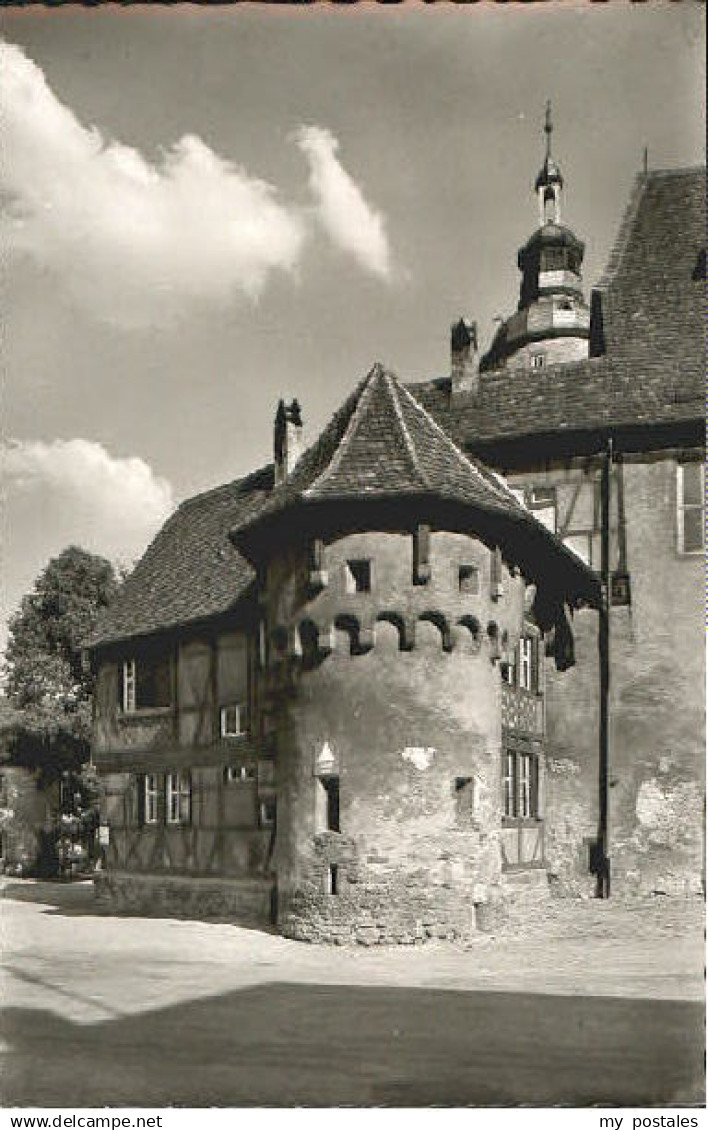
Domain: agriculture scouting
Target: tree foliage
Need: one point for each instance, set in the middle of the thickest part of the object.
(46, 679)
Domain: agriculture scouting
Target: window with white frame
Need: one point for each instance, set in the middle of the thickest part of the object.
(509, 783)
(233, 720)
(129, 700)
(542, 501)
(150, 798)
(538, 360)
(520, 786)
(526, 679)
(238, 773)
(267, 813)
(690, 484)
(179, 797)
(147, 683)
(524, 787)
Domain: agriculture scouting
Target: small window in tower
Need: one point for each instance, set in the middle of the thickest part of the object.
(464, 796)
(357, 576)
(331, 788)
(538, 360)
(468, 579)
(332, 879)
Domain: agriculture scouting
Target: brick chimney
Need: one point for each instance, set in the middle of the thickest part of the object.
(288, 440)
(464, 358)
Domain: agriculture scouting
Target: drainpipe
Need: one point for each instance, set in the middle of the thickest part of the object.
(603, 834)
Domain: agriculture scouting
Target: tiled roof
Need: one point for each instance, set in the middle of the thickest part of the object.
(382, 446)
(649, 311)
(652, 373)
(191, 571)
(382, 443)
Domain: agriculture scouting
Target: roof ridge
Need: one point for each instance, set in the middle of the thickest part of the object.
(678, 171)
(488, 477)
(392, 384)
(366, 385)
(624, 232)
(233, 484)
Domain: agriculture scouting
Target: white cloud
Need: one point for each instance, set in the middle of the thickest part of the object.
(136, 241)
(342, 209)
(114, 504)
(73, 492)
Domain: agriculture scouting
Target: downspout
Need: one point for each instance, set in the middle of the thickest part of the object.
(602, 869)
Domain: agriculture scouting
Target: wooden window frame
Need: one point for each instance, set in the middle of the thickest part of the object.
(243, 720)
(129, 696)
(178, 788)
(151, 798)
(131, 675)
(525, 665)
(682, 506)
(520, 786)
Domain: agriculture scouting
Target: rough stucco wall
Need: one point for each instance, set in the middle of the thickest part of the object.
(413, 855)
(657, 707)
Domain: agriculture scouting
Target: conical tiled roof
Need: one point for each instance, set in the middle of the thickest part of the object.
(383, 447)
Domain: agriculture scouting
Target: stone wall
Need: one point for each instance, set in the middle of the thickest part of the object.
(245, 901)
(657, 712)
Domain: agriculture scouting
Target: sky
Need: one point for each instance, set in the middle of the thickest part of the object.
(208, 209)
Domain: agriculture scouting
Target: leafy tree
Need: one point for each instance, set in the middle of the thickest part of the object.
(46, 679)
(47, 724)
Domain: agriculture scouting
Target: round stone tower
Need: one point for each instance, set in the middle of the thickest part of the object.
(387, 703)
(552, 322)
(392, 574)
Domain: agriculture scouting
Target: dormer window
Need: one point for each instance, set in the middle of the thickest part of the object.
(357, 575)
(234, 720)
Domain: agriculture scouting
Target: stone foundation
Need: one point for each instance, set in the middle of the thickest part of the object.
(246, 901)
(383, 913)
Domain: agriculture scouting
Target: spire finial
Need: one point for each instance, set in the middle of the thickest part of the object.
(548, 128)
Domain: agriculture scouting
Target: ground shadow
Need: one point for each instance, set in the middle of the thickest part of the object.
(77, 899)
(284, 1045)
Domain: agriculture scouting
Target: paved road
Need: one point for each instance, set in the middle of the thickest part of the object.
(131, 1011)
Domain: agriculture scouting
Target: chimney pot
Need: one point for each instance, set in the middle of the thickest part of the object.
(287, 440)
(464, 358)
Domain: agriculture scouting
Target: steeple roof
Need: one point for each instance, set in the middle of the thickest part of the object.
(550, 173)
(383, 459)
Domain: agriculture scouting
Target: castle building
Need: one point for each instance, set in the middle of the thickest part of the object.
(357, 691)
(542, 409)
